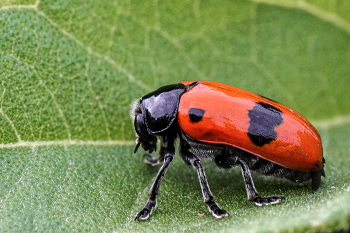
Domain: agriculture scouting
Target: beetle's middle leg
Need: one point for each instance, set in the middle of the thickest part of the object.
(251, 190)
(208, 197)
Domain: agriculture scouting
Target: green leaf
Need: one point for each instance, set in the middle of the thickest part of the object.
(70, 69)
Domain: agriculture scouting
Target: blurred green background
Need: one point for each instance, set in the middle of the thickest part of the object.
(70, 69)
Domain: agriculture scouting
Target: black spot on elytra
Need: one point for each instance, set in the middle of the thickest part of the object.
(196, 114)
(264, 118)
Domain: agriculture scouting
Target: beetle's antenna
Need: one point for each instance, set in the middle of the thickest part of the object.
(138, 143)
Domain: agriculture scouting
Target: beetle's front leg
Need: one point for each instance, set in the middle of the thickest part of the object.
(153, 192)
(208, 197)
(251, 190)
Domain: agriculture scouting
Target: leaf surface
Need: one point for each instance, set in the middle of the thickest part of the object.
(70, 69)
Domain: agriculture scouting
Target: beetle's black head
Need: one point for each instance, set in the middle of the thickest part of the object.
(154, 113)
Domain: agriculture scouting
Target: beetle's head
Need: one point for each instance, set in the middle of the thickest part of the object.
(144, 137)
(154, 114)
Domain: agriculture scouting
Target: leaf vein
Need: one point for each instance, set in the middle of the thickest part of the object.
(98, 101)
(52, 94)
(90, 51)
(302, 5)
(273, 79)
(333, 122)
(7, 118)
(172, 40)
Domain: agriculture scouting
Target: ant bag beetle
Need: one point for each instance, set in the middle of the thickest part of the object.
(230, 126)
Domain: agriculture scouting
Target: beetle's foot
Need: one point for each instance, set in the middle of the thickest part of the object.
(144, 214)
(216, 211)
(147, 210)
(151, 159)
(259, 201)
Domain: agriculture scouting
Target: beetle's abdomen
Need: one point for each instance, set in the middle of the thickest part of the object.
(221, 114)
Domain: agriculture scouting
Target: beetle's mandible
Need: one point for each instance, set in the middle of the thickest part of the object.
(231, 127)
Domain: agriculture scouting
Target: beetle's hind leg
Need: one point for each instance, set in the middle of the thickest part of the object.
(251, 190)
(208, 197)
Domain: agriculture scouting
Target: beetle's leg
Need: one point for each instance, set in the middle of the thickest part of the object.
(150, 159)
(155, 160)
(251, 191)
(208, 197)
(153, 192)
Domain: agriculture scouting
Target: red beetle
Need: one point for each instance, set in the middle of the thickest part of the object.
(232, 127)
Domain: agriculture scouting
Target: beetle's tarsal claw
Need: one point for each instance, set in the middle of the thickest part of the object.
(143, 214)
(260, 201)
(216, 211)
(147, 210)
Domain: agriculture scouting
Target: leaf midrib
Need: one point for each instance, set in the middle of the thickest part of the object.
(68, 143)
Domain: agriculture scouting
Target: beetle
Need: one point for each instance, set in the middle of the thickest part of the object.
(231, 127)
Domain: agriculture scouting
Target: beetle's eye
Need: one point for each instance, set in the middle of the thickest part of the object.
(140, 127)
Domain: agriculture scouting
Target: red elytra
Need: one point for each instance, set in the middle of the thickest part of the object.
(297, 145)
